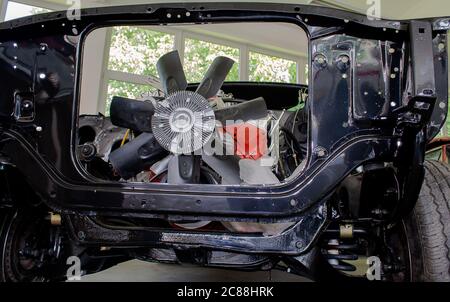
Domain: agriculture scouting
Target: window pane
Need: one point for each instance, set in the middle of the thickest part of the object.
(124, 89)
(264, 68)
(136, 50)
(306, 74)
(16, 10)
(198, 56)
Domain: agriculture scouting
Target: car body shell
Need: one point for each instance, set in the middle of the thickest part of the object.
(380, 85)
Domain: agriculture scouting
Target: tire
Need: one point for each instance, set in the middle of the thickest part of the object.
(13, 224)
(427, 227)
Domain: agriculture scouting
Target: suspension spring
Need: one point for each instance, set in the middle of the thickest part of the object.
(337, 252)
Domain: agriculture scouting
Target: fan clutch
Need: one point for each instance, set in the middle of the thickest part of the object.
(184, 122)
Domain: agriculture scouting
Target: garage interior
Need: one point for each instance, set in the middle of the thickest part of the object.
(105, 67)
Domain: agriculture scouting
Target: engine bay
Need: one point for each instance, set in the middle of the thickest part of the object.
(198, 133)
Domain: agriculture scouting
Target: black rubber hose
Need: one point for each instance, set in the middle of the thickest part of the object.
(293, 139)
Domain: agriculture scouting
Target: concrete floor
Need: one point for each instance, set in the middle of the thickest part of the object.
(139, 271)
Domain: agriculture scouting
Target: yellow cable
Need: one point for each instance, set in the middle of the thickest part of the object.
(125, 137)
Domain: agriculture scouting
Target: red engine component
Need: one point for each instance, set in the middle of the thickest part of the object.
(250, 141)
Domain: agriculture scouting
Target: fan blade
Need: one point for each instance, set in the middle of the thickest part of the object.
(171, 72)
(226, 166)
(184, 169)
(246, 111)
(215, 76)
(136, 156)
(132, 114)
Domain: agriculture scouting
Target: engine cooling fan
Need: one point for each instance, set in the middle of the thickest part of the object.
(184, 122)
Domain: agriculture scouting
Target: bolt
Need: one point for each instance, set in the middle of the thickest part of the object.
(344, 59)
(38, 129)
(299, 244)
(320, 151)
(322, 211)
(81, 235)
(343, 62)
(320, 60)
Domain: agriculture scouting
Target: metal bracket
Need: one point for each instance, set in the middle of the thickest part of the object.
(24, 109)
(293, 241)
(423, 87)
(423, 81)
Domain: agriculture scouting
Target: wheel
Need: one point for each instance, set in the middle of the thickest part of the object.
(31, 249)
(427, 228)
(417, 248)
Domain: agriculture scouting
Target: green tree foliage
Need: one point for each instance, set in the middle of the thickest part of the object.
(136, 49)
(198, 56)
(448, 120)
(264, 68)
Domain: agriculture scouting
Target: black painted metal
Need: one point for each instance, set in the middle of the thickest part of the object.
(360, 111)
